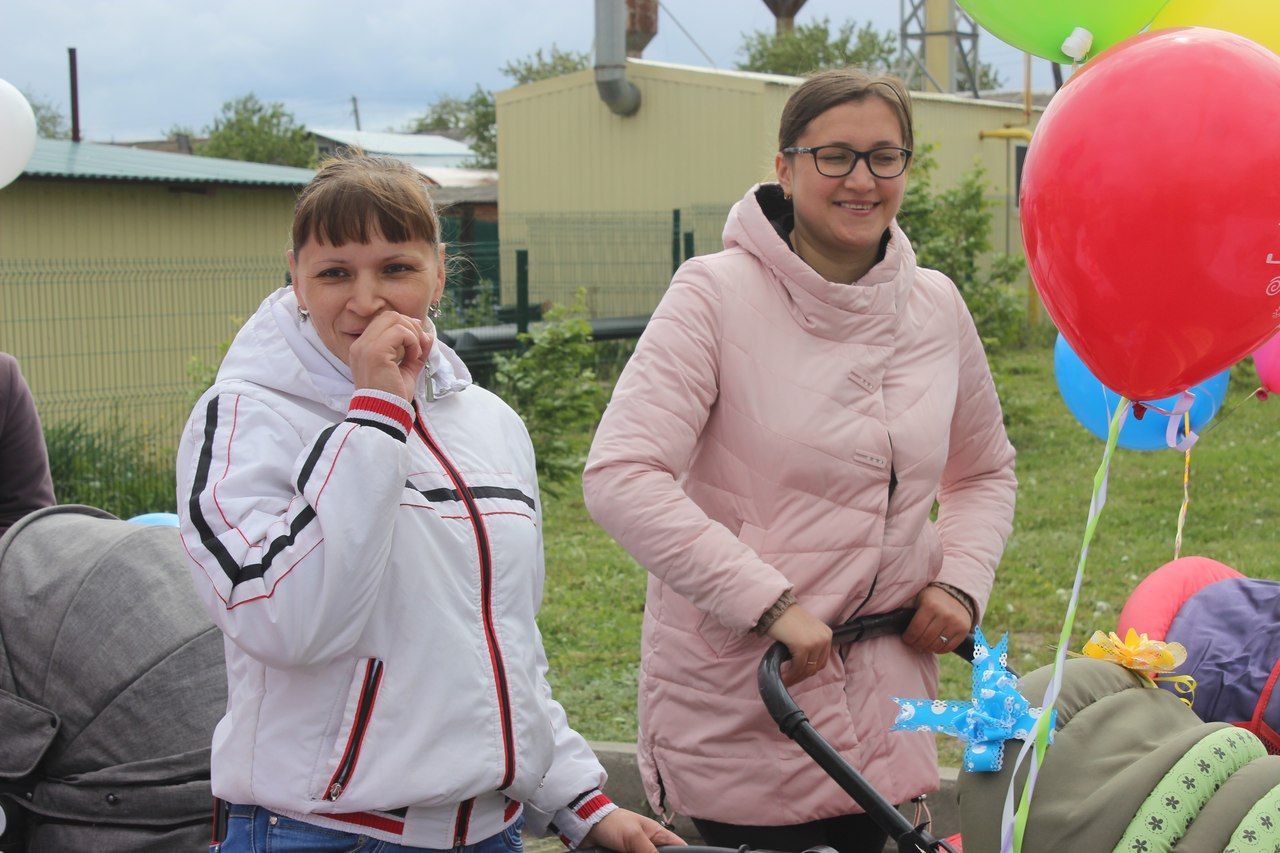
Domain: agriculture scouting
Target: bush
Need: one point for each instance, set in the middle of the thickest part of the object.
(126, 470)
(950, 231)
(552, 383)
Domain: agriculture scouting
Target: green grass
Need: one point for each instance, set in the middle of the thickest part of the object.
(595, 592)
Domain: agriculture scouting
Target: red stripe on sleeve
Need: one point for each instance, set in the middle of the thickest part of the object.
(591, 806)
(382, 407)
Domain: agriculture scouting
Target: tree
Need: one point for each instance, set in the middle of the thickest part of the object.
(950, 231)
(445, 113)
(535, 67)
(250, 130)
(50, 122)
(473, 115)
(476, 115)
(814, 47)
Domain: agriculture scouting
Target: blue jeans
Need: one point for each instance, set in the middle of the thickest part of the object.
(253, 829)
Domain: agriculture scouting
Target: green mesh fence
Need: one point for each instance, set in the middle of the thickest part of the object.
(622, 260)
(113, 349)
(117, 350)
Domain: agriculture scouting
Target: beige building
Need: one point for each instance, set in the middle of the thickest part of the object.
(608, 203)
(118, 266)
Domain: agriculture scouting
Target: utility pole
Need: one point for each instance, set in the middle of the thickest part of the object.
(75, 96)
(355, 110)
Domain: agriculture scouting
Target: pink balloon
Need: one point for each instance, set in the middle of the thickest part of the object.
(1267, 362)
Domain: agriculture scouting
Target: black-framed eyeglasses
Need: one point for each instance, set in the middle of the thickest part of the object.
(836, 161)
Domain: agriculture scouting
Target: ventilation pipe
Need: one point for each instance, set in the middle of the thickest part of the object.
(642, 25)
(615, 90)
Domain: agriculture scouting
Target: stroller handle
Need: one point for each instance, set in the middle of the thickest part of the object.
(795, 724)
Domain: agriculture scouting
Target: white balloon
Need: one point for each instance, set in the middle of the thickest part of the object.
(17, 133)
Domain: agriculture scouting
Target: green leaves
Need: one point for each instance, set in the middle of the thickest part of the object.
(476, 115)
(815, 47)
(950, 231)
(552, 383)
(250, 130)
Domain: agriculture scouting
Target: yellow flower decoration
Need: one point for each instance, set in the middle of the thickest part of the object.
(1136, 652)
(1150, 657)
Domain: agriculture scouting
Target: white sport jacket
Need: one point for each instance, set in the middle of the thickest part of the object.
(376, 566)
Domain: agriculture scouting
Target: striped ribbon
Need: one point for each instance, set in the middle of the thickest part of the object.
(1015, 822)
(1186, 494)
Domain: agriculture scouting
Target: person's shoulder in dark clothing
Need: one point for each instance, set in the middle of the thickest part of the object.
(25, 484)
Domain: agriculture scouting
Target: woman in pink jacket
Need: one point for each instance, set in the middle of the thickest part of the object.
(772, 455)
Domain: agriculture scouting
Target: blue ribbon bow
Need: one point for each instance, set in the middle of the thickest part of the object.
(996, 712)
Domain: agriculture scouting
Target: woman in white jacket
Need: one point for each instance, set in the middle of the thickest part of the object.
(364, 525)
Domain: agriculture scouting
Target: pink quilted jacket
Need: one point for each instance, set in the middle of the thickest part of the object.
(748, 448)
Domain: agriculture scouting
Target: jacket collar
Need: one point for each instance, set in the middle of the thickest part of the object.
(870, 307)
(277, 350)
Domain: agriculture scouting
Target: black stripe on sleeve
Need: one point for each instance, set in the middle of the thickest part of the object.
(201, 524)
(389, 430)
(312, 458)
(257, 570)
(234, 571)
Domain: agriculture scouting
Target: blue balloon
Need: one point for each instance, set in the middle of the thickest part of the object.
(160, 519)
(1093, 404)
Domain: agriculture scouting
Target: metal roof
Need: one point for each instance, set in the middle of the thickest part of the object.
(61, 158)
(426, 145)
(446, 196)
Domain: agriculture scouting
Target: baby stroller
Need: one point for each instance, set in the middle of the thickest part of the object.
(111, 681)
(903, 835)
(1132, 768)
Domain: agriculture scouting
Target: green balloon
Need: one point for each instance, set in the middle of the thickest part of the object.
(1040, 26)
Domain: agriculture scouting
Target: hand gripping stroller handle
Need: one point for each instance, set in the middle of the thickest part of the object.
(795, 724)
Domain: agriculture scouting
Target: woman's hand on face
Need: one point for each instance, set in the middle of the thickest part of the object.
(941, 623)
(808, 639)
(390, 353)
(629, 832)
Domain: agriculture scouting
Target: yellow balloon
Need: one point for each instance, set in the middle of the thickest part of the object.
(1254, 19)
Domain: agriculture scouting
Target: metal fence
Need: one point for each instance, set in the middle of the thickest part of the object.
(621, 261)
(117, 350)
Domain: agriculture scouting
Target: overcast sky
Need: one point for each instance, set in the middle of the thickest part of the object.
(147, 65)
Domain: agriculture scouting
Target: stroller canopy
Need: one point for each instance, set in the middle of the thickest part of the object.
(111, 681)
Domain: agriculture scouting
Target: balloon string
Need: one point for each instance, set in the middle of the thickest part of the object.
(1186, 492)
(1015, 824)
(1229, 412)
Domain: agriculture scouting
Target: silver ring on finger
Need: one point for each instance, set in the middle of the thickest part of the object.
(942, 638)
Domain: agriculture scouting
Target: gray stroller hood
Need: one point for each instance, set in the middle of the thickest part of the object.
(111, 682)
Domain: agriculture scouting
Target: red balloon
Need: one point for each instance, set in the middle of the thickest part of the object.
(1151, 209)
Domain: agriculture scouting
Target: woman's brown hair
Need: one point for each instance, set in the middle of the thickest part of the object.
(829, 89)
(356, 197)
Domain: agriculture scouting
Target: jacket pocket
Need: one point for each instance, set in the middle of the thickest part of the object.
(723, 641)
(362, 697)
(933, 549)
